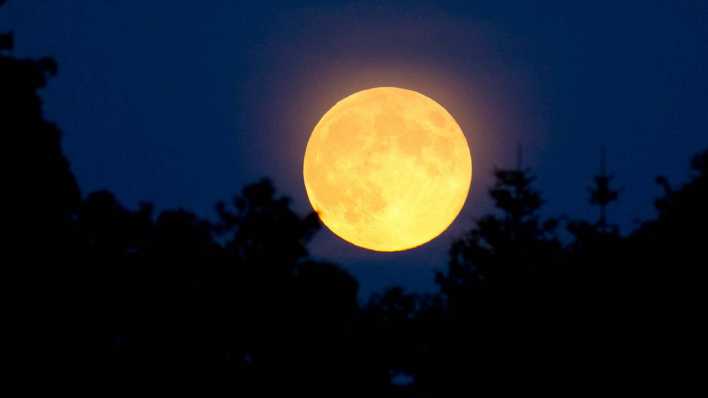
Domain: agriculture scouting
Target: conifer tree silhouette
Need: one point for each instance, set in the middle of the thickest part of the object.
(503, 248)
(595, 241)
(601, 193)
(499, 286)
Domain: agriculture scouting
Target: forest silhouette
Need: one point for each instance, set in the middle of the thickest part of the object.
(119, 300)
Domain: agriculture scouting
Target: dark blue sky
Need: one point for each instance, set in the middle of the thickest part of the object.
(183, 102)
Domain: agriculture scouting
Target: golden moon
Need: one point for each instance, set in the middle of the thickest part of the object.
(387, 169)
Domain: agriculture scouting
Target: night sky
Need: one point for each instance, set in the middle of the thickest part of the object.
(181, 103)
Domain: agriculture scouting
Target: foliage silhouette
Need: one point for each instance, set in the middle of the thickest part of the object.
(123, 299)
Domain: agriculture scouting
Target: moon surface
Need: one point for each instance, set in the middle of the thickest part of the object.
(387, 169)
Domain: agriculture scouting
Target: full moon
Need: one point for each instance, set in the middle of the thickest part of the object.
(387, 169)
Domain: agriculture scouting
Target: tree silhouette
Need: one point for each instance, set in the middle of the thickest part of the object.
(665, 260)
(601, 193)
(41, 201)
(507, 250)
(114, 299)
(45, 193)
(597, 242)
(264, 229)
(499, 286)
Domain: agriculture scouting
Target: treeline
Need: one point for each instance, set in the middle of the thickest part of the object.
(116, 300)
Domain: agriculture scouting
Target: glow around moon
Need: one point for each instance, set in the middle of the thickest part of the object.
(387, 169)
